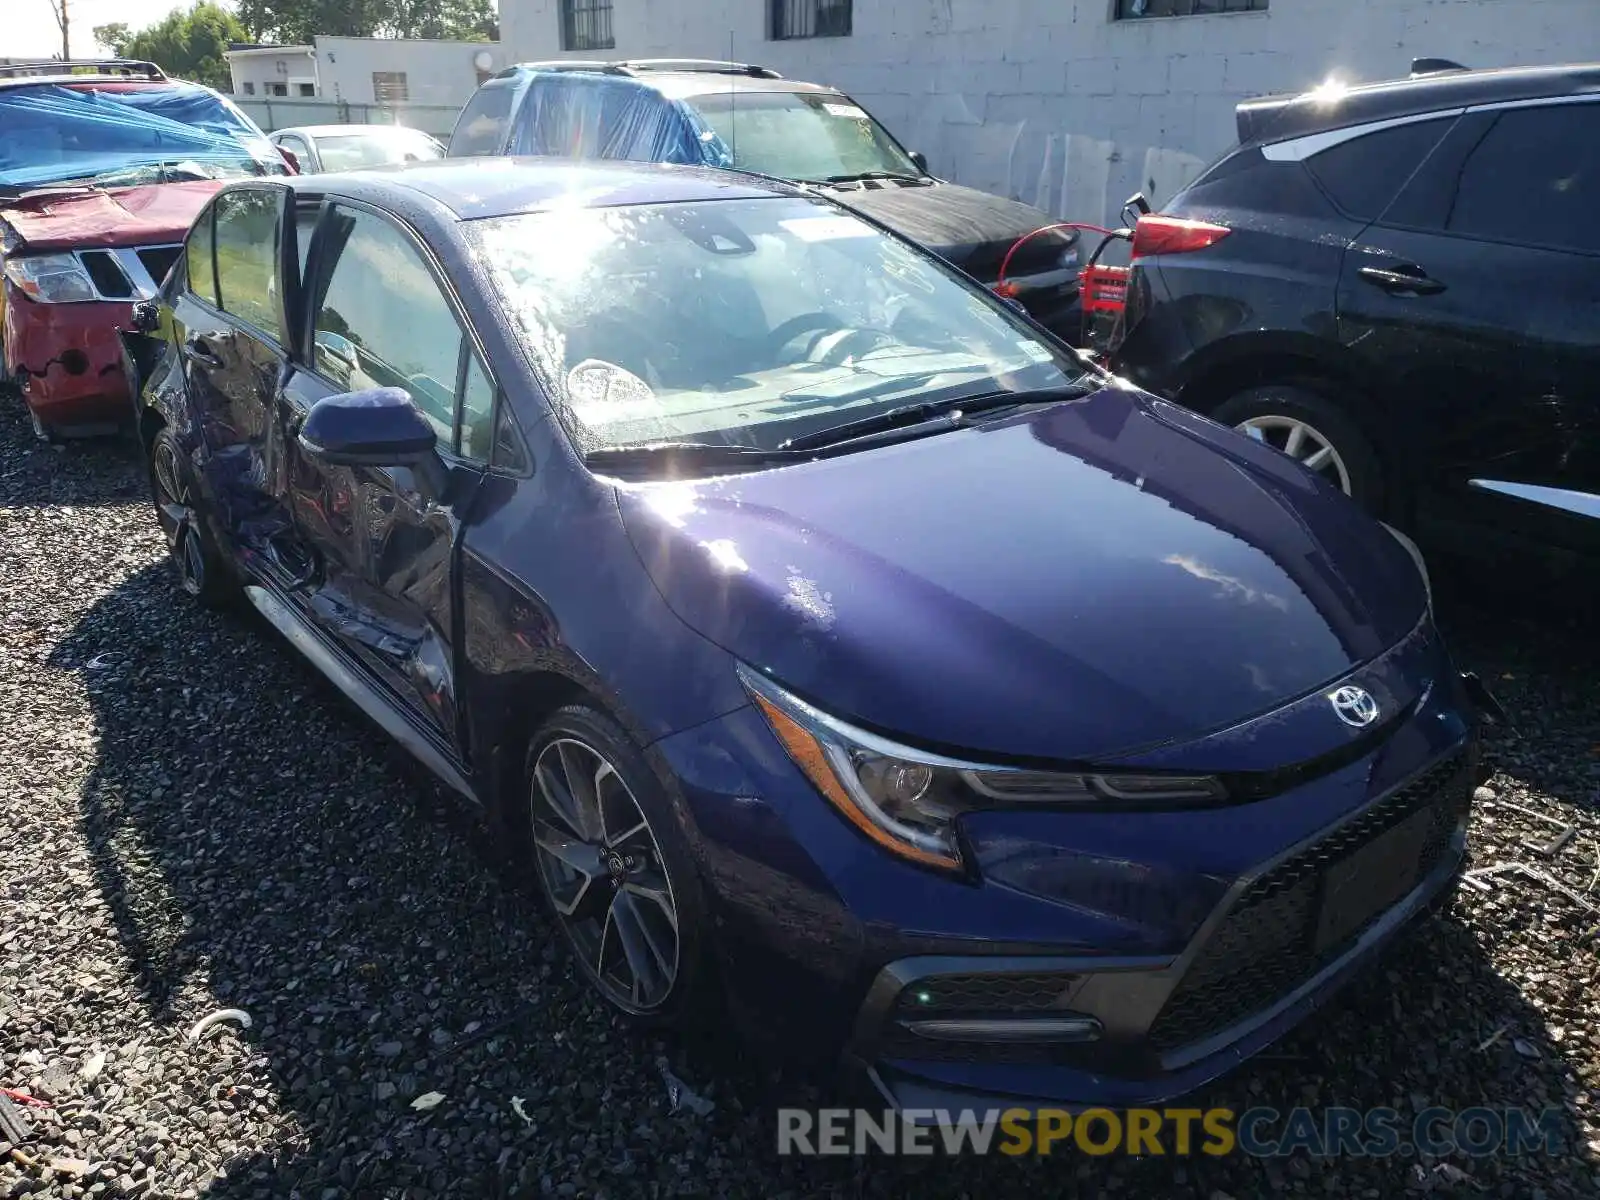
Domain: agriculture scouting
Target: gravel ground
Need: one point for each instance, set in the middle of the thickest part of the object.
(191, 821)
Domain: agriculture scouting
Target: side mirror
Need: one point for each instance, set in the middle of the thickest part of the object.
(920, 159)
(380, 427)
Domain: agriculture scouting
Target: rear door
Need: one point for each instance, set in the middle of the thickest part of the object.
(1474, 298)
(384, 548)
(229, 325)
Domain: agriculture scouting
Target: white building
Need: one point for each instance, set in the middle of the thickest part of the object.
(1072, 105)
(341, 80)
(366, 70)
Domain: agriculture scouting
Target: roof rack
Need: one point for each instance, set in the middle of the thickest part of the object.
(638, 66)
(101, 68)
(1434, 66)
(707, 66)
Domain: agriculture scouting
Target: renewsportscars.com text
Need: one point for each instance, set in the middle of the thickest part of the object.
(1177, 1132)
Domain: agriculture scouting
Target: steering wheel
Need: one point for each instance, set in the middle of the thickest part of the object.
(811, 322)
(867, 337)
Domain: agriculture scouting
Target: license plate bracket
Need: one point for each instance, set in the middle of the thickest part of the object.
(1363, 884)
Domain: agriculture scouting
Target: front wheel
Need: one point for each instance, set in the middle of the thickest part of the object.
(1314, 432)
(614, 867)
(202, 573)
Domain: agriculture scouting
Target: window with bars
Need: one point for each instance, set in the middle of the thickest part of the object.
(390, 87)
(810, 18)
(1128, 10)
(586, 25)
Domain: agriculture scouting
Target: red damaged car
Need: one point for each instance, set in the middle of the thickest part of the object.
(103, 167)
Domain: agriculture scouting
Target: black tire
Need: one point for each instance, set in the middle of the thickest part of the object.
(666, 852)
(202, 571)
(1305, 403)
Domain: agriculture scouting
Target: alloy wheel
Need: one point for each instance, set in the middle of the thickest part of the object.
(605, 875)
(1302, 442)
(176, 517)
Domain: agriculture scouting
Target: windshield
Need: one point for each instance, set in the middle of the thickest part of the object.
(796, 135)
(350, 152)
(746, 322)
(116, 134)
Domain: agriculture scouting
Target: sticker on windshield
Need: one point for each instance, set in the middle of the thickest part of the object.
(601, 392)
(827, 229)
(1035, 352)
(846, 110)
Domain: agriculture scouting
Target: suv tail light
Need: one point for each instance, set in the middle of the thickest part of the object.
(1170, 235)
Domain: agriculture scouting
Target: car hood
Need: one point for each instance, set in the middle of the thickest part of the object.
(967, 228)
(135, 216)
(1084, 581)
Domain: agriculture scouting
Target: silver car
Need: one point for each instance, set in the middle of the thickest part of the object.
(319, 148)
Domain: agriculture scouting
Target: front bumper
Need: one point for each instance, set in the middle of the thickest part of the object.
(1167, 1026)
(38, 335)
(1181, 941)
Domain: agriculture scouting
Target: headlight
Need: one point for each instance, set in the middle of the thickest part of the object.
(909, 801)
(51, 278)
(1411, 548)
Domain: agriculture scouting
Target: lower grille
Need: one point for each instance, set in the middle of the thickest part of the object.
(984, 995)
(1267, 944)
(979, 995)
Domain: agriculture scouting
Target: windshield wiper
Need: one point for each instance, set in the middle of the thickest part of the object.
(863, 176)
(908, 416)
(694, 454)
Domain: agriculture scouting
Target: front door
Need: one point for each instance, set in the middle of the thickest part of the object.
(1475, 297)
(383, 541)
(229, 323)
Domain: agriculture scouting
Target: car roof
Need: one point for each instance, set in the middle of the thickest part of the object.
(317, 131)
(1275, 118)
(474, 188)
(675, 85)
(120, 83)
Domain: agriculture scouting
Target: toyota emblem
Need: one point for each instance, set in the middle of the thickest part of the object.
(1355, 706)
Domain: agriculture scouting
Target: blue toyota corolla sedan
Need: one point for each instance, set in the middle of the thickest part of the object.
(819, 628)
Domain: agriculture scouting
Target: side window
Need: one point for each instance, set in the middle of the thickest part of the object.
(247, 257)
(200, 257)
(508, 450)
(1364, 175)
(477, 412)
(481, 127)
(1534, 180)
(384, 322)
(296, 146)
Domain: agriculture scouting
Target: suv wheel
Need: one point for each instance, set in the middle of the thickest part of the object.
(614, 867)
(1314, 432)
(201, 570)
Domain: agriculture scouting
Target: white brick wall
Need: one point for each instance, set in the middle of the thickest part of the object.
(1054, 103)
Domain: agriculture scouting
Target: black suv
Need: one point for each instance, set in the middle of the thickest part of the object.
(1399, 284)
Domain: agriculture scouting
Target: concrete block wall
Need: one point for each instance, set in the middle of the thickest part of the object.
(1055, 103)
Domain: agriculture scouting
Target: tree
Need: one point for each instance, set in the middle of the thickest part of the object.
(187, 45)
(113, 37)
(58, 9)
(298, 21)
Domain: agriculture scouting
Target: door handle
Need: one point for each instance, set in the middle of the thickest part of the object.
(1412, 281)
(198, 350)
